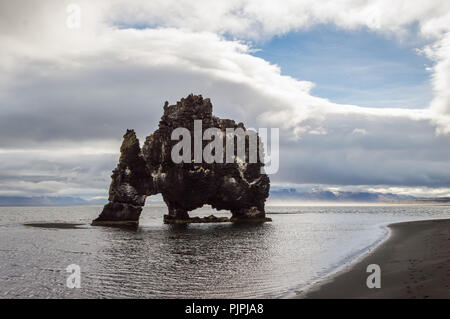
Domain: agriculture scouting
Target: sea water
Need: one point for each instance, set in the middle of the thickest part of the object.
(271, 260)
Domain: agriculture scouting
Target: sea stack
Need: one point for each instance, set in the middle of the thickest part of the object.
(240, 186)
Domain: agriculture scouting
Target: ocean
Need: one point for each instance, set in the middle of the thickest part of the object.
(272, 260)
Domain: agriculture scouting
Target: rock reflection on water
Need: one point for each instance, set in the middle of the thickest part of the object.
(225, 260)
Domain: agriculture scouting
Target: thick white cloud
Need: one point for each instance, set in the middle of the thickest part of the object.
(440, 53)
(265, 18)
(60, 87)
(256, 19)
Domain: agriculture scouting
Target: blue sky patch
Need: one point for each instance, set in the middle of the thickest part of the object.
(354, 67)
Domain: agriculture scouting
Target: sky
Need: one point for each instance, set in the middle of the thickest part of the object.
(354, 66)
(359, 89)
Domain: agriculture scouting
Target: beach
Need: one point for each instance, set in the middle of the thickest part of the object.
(414, 263)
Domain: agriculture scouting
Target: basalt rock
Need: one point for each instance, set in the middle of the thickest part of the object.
(239, 186)
(199, 220)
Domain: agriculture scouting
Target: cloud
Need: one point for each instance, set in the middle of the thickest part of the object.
(394, 152)
(61, 171)
(439, 52)
(257, 19)
(360, 131)
(68, 95)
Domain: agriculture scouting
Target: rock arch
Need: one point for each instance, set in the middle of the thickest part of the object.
(241, 187)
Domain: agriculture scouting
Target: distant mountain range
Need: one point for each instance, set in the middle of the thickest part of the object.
(425, 200)
(276, 195)
(318, 195)
(47, 201)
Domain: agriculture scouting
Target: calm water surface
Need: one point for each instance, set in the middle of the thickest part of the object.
(197, 261)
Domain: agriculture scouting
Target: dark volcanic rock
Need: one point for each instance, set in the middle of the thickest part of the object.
(200, 220)
(238, 186)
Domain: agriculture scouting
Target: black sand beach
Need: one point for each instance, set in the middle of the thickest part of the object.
(414, 262)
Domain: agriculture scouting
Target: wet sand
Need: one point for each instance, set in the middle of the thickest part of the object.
(414, 262)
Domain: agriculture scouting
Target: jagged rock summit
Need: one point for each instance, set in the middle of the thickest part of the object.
(240, 186)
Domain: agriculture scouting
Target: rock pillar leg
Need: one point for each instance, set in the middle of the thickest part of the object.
(176, 216)
(118, 214)
(129, 187)
(252, 214)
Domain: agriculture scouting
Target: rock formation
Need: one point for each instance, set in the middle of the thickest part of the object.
(240, 186)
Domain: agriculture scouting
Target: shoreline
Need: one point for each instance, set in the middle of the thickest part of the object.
(300, 292)
(414, 259)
